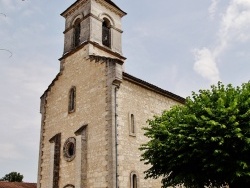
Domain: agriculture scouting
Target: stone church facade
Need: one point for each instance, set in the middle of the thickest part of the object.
(93, 112)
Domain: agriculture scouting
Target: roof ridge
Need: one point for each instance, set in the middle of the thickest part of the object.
(157, 89)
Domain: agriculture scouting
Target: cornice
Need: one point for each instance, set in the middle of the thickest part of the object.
(73, 7)
(107, 3)
(104, 48)
(105, 59)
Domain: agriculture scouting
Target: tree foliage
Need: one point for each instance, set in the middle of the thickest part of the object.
(12, 177)
(204, 142)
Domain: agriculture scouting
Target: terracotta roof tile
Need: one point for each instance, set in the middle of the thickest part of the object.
(4, 184)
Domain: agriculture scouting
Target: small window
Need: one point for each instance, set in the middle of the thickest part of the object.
(72, 100)
(106, 34)
(77, 32)
(69, 149)
(133, 180)
(132, 126)
(132, 123)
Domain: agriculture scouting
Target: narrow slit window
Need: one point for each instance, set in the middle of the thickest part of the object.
(132, 119)
(132, 124)
(106, 35)
(72, 99)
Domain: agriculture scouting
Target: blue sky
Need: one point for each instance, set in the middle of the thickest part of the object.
(181, 46)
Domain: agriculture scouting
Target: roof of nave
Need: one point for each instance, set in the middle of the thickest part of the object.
(5, 184)
(152, 87)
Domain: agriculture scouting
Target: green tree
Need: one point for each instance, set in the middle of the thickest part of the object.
(206, 141)
(12, 177)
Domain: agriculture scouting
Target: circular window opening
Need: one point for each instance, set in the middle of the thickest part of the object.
(69, 149)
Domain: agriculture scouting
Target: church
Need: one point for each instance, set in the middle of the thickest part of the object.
(93, 112)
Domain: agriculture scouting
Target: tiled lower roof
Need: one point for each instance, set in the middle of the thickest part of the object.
(4, 184)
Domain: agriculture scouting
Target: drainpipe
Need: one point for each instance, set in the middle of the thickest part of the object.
(116, 142)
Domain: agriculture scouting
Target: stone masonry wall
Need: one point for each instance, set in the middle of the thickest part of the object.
(91, 14)
(89, 79)
(144, 104)
(100, 12)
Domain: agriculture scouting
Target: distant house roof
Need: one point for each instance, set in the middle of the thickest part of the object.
(5, 184)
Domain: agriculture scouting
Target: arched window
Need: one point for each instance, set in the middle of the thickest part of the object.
(133, 180)
(72, 99)
(106, 34)
(77, 32)
(69, 186)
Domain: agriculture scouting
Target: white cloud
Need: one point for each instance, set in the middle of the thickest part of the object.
(205, 65)
(235, 22)
(234, 28)
(212, 9)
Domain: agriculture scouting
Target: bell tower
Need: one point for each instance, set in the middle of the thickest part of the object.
(78, 143)
(94, 22)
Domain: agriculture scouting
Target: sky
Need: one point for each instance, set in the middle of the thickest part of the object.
(180, 46)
